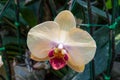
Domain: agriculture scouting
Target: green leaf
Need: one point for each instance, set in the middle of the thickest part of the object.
(29, 16)
(94, 9)
(10, 39)
(57, 73)
(10, 14)
(109, 4)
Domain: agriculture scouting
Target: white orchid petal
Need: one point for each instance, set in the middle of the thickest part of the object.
(42, 37)
(81, 46)
(77, 67)
(66, 20)
(1, 62)
(39, 59)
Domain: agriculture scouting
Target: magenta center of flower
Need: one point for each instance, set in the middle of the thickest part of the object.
(58, 58)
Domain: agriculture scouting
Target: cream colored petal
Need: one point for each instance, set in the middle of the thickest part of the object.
(1, 62)
(42, 38)
(81, 46)
(66, 20)
(39, 59)
(76, 67)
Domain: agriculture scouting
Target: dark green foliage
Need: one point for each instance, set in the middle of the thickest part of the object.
(36, 11)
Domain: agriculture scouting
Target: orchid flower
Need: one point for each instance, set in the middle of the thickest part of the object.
(61, 43)
(1, 62)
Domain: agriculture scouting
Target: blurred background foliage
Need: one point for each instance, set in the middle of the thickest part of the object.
(15, 22)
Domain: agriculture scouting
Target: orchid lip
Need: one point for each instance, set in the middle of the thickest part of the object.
(51, 53)
(58, 58)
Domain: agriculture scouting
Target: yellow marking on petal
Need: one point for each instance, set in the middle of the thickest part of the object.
(58, 53)
(77, 68)
(64, 51)
(39, 59)
(74, 66)
(56, 50)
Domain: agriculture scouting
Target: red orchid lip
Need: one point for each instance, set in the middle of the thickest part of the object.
(57, 58)
(51, 53)
(57, 63)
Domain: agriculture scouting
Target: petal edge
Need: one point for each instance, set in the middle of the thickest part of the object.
(39, 59)
(66, 20)
(76, 67)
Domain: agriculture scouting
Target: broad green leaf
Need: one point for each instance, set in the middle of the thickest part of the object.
(29, 16)
(94, 9)
(10, 14)
(10, 39)
(109, 4)
(57, 73)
